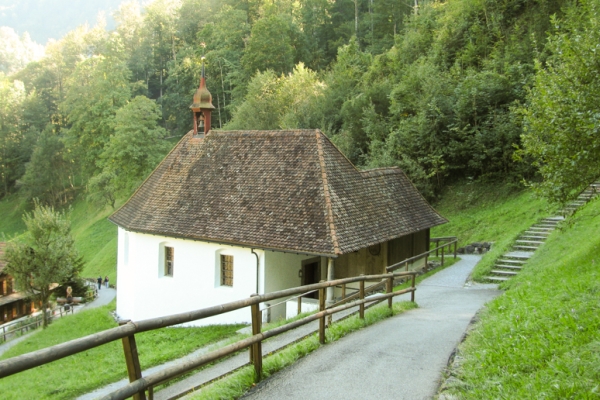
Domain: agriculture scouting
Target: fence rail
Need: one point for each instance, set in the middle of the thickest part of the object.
(127, 330)
(451, 240)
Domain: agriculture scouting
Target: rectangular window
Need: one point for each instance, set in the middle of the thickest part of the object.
(169, 259)
(226, 270)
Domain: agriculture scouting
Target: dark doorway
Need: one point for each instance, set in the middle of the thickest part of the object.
(311, 273)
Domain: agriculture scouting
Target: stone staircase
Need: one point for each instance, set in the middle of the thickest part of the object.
(583, 198)
(512, 262)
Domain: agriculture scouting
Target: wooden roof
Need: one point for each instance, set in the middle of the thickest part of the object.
(286, 190)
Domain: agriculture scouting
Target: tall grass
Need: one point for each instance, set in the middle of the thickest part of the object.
(541, 339)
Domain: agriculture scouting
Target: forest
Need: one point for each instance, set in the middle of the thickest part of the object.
(483, 90)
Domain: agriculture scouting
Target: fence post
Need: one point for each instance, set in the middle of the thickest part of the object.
(299, 304)
(322, 319)
(134, 371)
(361, 295)
(390, 288)
(343, 291)
(256, 347)
(443, 247)
(455, 249)
(412, 294)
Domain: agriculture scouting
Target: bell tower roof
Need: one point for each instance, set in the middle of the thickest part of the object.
(202, 97)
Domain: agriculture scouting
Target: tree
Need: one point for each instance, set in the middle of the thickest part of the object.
(12, 95)
(285, 102)
(98, 88)
(45, 255)
(269, 46)
(135, 148)
(562, 121)
(47, 174)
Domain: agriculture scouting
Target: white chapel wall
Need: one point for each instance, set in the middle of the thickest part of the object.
(282, 272)
(144, 291)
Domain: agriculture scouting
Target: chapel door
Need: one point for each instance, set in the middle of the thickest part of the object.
(311, 273)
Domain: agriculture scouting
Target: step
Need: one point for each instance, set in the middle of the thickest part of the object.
(542, 238)
(545, 233)
(503, 273)
(523, 255)
(532, 242)
(508, 261)
(497, 278)
(540, 229)
(522, 247)
(553, 219)
(516, 267)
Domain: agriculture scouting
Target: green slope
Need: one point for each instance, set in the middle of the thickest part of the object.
(541, 339)
(95, 237)
(495, 213)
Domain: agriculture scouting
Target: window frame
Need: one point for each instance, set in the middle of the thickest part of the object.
(227, 270)
(169, 261)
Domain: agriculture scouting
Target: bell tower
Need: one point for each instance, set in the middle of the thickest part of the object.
(202, 107)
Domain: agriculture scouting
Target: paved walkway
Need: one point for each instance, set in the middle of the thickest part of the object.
(412, 348)
(399, 358)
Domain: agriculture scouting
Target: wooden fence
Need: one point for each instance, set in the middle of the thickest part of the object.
(449, 242)
(17, 328)
(127, 330)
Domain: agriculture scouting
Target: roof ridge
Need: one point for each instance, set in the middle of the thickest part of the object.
(327, 196)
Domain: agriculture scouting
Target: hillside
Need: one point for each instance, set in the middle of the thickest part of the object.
(541, 339)
(95, 237)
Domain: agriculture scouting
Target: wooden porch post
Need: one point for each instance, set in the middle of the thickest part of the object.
(330, 277)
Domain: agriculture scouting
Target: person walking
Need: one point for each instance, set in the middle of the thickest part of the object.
(106, 281)
(99, 282)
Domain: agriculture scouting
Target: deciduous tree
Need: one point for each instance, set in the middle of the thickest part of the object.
(45, 255)
(562, 120)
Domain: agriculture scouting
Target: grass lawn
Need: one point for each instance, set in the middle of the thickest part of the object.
(488, 212)
(81, 373)
(95, 239)
(541, 339)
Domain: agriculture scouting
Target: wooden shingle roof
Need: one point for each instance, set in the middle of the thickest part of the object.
(283, 190)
